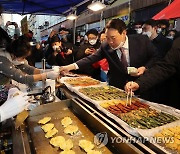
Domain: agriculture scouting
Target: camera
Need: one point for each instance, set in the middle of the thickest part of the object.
(12, 23)
(64, 49)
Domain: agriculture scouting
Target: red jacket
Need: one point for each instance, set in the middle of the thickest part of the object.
(103, 64)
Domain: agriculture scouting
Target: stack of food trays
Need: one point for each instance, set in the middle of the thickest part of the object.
(141, 118)
(72, 83)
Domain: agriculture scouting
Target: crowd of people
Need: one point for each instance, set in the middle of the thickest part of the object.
(150, 47)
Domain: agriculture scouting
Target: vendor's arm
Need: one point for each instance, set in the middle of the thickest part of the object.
(27, 69)
(10, 71)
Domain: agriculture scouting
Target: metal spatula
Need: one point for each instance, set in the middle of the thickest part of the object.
(20, 118)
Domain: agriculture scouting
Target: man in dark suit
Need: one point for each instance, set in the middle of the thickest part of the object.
(162, 43)
(168, 67)
(120, 51)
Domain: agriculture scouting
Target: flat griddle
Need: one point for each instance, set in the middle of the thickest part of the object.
(57, 111)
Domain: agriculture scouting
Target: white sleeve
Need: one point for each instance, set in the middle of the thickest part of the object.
(76, 66)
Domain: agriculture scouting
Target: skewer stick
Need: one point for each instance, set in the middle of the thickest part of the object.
(130, 97)
(127, 99)
(131, 94)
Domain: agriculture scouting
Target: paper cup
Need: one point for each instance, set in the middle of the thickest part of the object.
(55, 68)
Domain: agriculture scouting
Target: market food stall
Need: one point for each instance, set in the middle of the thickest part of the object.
(96, 109)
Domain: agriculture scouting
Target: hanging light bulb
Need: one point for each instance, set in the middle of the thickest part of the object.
(71, 17)
(96, 6)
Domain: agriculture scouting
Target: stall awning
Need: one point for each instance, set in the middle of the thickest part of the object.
(170, 12)
(56, 7)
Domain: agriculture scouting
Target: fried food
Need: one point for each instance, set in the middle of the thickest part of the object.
(82, 81)
(67, 152)
(57, 141)
(103, 93)
(47, 127)
(178, 149)
(66, 121)
(44, 120)
(51, 133)
(86, 145)
(172, 146)
(66, 145)
(71, 129)
(94, 152)
(171, 137)
(106, 104)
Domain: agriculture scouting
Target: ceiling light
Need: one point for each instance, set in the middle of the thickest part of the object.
(71, 17)
(96, 6)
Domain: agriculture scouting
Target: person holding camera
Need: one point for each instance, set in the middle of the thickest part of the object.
(16, 30)
(60, 55)
(87, 49)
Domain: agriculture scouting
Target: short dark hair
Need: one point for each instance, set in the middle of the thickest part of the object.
(101, 32)
(1, 9)
(151, 22)
(163, 22)
(117, 24)
(54, 39)
(63, 29)
(20, 47)
(92, 31)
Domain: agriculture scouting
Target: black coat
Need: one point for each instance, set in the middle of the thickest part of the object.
(4, 38)
(88, 70)
(61, 59)
(141, 52)
(162, 44)
(167, 70)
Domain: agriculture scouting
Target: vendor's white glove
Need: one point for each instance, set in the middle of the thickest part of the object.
(52, 75)
(46, 70)
(13, 92)
(13, 106)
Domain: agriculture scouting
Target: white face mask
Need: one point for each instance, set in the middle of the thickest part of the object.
(64, 36)
(170, 37)
(17, 62)
(32, 43)
(93, 42)
(56, 48)
(139, 30)
(159, 30)
(148, 33)
(1, 21)
(119, 46)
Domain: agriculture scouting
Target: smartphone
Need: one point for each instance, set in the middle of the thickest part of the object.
(92, 49)
(12, 23)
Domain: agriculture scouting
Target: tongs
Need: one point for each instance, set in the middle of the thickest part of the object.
(129, 97)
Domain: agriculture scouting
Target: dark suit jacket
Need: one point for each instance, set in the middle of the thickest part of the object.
(141, 51)
(167, 70)
(89, 70)
(162, 44)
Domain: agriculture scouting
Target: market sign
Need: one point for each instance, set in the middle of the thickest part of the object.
(123, 15)
(24, 25)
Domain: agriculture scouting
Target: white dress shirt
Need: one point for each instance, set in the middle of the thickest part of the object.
(126, 50)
